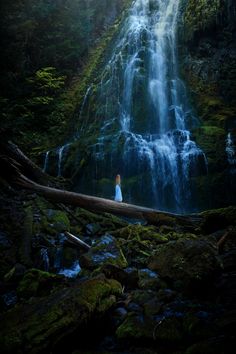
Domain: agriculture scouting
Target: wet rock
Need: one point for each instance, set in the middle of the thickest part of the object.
(92, 229)
(127, 276)
(119, 315)
(187, 261)
(133, 307)
(45, 322)
(105, 251)
(149, 279)
(9, 299)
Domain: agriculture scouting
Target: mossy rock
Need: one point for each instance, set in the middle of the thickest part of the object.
(44, 323)
(187, 261)
(141, 233)
(135, 327)
(105, 251)
(106, 221)
(212, 141)
(38, 283)
(172, 236)
(58, 220)
(218, 219)
(149, 279)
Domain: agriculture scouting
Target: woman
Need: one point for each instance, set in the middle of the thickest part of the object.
(118, 195)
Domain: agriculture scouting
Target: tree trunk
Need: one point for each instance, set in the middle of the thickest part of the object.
(28, 167)
(100, 205)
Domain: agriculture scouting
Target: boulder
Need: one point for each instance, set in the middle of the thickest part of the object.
(186, 261)
(105, 251)
(43, 323)
(38, 283)
(135, 327)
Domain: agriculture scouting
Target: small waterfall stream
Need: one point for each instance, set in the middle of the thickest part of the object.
(231, 152)
(145, 103)
(61, 154)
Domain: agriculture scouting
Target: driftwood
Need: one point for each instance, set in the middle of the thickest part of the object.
(77, 241)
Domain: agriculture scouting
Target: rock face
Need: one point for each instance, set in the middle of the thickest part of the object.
(208, 64)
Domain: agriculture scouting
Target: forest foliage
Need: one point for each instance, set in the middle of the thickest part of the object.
(45, 43)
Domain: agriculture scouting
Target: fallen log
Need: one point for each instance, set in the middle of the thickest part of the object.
(13, 170)
(77, 241)
(28, 167)
(100, 205)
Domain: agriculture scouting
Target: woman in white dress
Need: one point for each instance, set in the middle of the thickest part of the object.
(118, 193)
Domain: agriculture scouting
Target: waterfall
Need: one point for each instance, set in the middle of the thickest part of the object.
(71, 272)
(45, 258)
(230, 150)
(61, 152)
(82, 107)
(46, 160)
(144, 106)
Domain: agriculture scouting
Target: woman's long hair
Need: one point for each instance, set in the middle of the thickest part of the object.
(118, 179)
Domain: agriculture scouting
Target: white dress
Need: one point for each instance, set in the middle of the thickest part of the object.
(118, 196)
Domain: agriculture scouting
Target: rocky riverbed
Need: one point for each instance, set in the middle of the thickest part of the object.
(139, 289)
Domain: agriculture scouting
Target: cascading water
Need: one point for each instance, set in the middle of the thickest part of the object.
(231, 152)
(61, 152)
(46, 161)
(145, 134)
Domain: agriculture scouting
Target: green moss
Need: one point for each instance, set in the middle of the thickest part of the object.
(91, 291)
(59, 220)
(73, 98)
(217, 219)
(141, 233)
(134, 327)
(37, 283)
(200, 16)
(36, 325)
